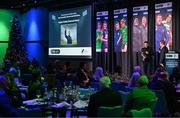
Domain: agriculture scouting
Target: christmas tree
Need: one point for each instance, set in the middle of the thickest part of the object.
(16, 47)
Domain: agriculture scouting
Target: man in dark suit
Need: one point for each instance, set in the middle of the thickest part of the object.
(105, 97)
(68, 37)
(6, 108)
(147, 53)
(168, 88)
(163, 51)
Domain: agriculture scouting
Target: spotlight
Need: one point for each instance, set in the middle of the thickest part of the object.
(35, 2)
(23, 4)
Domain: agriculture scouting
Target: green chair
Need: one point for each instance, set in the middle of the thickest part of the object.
(146, 113)
(116, 111)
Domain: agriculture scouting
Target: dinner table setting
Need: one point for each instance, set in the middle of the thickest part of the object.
(58, 102)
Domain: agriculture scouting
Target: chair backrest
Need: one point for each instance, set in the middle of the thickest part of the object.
(161, 105)
(146, 113)
(142, 102)
(152, 103)
(115, 111)
(35, 112)
(95, 85)
(118, 86)
(124, 96)
(26, 78)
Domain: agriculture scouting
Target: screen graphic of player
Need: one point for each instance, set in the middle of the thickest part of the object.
(161, 31)
(137, 37)
(144, 29)
(117, 36)
(99, 35)
(104, 37)
(68, 37)
(168, 25)
(123, 32)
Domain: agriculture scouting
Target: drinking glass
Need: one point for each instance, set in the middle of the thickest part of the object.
(38, 94)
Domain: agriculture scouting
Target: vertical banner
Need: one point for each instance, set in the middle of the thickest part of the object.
(140, 27)
(102, 31)
(120, 30)
(163, 27)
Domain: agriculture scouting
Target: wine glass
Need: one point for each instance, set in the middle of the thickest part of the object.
(38, 94)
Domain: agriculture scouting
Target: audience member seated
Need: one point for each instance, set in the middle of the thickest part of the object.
(105, 97)
(6, 108)
(155, 76)
(13, 91)
(15, 76)
(60, 74)
(34, 67)
(50, 67)
(118, 76)
(175, 76)
(24, 66)
(2, 72)
(164, 84)
(35, 84)
(140, 97)
(83, 75)
(69, 70)
(98, 74)
(135, 76)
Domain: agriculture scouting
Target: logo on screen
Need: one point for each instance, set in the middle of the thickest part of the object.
(55, 51)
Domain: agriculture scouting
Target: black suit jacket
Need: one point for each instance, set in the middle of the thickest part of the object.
(81, 77)
(148, 57)
(6, 108)
(170, 93)
(163, 51)
(105, 97)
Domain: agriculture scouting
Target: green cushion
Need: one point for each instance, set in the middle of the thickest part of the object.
(146, 112)
(115, 111)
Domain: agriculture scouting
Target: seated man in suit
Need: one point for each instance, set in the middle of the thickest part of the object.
(168, 88)
(6, 108)
(105, 97)
(141, 97)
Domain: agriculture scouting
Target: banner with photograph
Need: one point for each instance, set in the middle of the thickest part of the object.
(163, 27)
(140, 27)
(102, 31)
(120, 30)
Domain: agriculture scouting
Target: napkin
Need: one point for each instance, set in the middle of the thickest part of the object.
(29, 102)
(80, 104)
(62, 104)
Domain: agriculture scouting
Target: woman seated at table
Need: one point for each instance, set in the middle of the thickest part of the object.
(118, 76)
(83, 75)
(6, 108)
(13, 91)
(34, 85)
(98, 74)
(135, 76)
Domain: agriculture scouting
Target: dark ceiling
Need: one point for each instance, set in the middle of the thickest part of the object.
(12, 4)
(17, 4)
